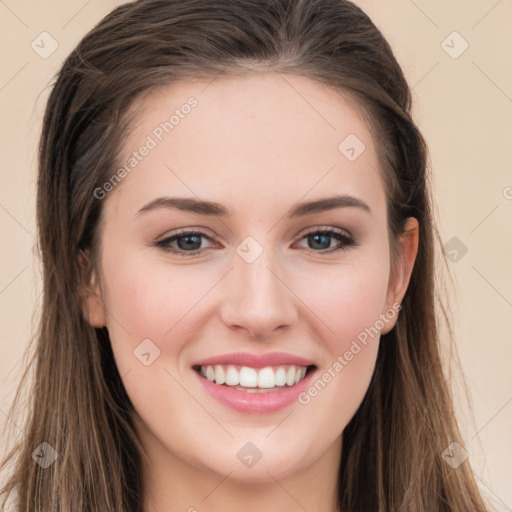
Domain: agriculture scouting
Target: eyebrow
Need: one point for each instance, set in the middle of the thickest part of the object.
(190, 204)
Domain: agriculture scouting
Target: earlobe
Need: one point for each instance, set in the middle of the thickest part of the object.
(401, 275)
(93, 308)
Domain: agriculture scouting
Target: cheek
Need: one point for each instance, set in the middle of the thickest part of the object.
(347, 300)
(357, 308)
(150, 310)
(350, 308)
(147, 301)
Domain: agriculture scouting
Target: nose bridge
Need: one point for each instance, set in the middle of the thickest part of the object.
(258, 298)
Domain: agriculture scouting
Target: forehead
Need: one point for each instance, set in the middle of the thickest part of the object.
(264, 137)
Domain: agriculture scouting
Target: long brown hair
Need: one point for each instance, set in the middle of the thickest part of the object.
(392, 447)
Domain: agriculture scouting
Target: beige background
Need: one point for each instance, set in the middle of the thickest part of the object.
(464, 108)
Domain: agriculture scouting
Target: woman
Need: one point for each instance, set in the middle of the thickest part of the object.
(238, 250)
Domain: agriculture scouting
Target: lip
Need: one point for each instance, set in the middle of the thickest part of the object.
(255, 360)
(256, 403)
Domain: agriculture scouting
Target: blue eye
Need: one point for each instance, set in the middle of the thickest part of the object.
(323, 237)
(189, 242)
(186, 240)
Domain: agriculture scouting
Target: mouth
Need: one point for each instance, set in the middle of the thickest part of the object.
(254, 380)
(254, 383)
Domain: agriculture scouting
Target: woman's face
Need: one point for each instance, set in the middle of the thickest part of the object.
(266, 290)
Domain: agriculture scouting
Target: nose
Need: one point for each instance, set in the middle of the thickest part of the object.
(257, 298)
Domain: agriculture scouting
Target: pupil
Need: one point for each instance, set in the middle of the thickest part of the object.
(188, 244)
(323, 238)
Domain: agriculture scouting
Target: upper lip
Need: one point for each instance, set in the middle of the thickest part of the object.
(255, 360)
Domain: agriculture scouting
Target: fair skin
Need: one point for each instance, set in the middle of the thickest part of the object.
(258, 147)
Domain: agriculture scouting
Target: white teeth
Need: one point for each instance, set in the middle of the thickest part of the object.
(220, 374)
(280, 376)
(232, 376)
(266, 378)
(248, 377)
(245, 376)
(210, 373)
(290, 376)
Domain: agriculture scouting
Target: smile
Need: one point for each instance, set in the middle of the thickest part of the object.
(254, 380)
(254, 383)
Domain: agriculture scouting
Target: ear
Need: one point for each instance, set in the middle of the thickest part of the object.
(93, 307)
(401, 273)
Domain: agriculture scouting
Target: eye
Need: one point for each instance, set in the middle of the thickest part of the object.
(320, 239)
(188, 241)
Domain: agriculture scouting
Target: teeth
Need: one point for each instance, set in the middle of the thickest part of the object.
(247, 377)
(232, 376)
(210, 372)
(266, 378)
(290, 376)
(220, 375)
(281, 376)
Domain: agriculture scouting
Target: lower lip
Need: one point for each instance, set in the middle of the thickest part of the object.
(256, 403)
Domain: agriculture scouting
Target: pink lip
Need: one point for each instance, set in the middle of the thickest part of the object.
(255, 360)
(256, 403)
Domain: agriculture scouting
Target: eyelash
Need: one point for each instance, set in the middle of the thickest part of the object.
(347, 241)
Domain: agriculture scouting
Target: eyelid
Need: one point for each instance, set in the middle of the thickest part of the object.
(186, 231)
(183, 232)
(314, 229)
